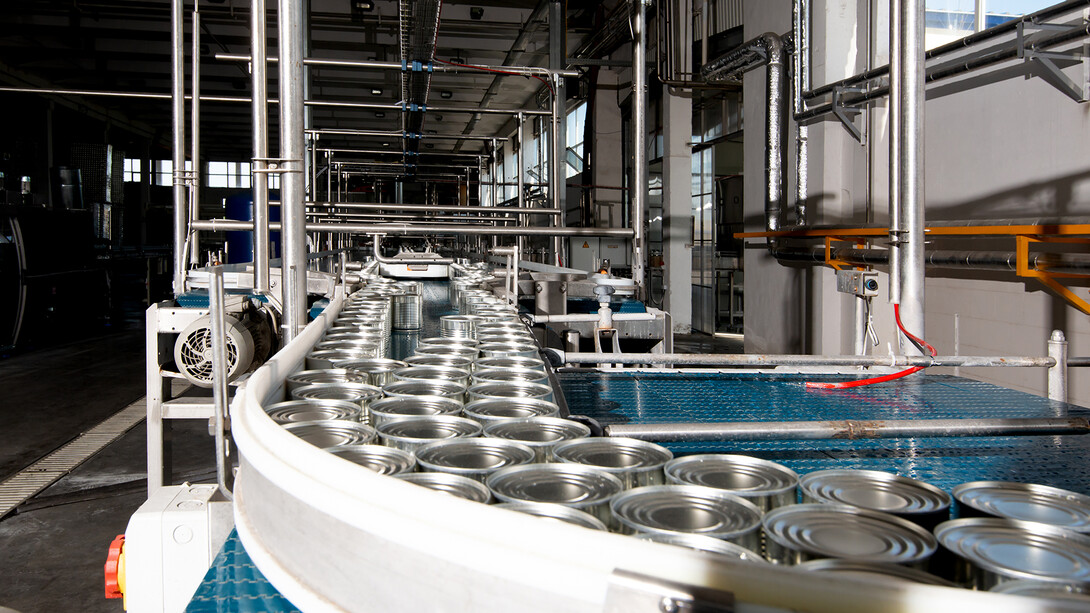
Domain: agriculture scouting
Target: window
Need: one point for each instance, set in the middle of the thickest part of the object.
(164, 172)
(228, 174)
(576, 121)
(949, 20)
(131, 171)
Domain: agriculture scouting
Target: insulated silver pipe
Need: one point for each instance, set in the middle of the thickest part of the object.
(762, 360)
(177, 93)
(292, 212)
(894, 120)
(260, 121)
(228, 225)
(848, 429)
(195, 131)
(639, 144)
(908, 88)
(801, 81)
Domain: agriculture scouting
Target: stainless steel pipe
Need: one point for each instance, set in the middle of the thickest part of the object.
(433, 67)
(177, 108)
(639, 153)
(292, 149)
(195, 131)
(216, 316)
(226, 225)
(260, 122)
(769, 360)
(848, 429)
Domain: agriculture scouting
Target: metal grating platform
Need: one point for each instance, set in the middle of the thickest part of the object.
(234, 585)
(945, 462)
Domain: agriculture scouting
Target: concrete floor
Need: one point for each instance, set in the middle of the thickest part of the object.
(55, 544)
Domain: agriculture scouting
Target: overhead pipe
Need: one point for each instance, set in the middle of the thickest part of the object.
(431, 66)
(177, 98)
(590, 317)
(1000, 261)
(771, 360)
(907, 87)
(766, 49)
(259, 81)
(388, 134)
(429, 208)
(639, 144)
(849, 429)
(292, 149)
(230, 225)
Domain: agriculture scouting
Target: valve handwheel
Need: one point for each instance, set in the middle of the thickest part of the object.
(115, 568)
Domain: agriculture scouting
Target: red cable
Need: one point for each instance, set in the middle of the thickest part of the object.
(504, 72)
(919, 342)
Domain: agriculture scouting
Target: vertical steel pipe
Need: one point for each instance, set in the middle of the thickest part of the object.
(292, 208)
(195, 132)
(521, 171)
(910, 94)
(773, 131)
(557, 163)
(801, 82)
(894, 118)
(260, 110)
(1057, 374)
(220, 367)
(639, 147)
(495, 185)
(177, 98)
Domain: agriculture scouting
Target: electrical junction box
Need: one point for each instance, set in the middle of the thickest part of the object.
(858, 282)
(170, 542)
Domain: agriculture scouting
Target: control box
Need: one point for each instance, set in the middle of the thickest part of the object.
(859, 282)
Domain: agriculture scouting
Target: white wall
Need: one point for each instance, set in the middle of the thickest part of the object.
(1010, 148)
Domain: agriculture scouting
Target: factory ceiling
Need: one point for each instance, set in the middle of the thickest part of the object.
(124, 46)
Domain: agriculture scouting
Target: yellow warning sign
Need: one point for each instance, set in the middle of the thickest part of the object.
(586, 245)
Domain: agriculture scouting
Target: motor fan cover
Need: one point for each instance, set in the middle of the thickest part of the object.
(193, 350)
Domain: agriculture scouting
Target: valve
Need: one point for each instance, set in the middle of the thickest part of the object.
(115, 568)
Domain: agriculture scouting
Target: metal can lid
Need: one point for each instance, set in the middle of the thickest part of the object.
(324, 375)
(465, 352)
(510, 389)
(842, 531)
(690, 509)
(514, 361)
(449, 341)
(1063, 592)
(501, 375)
(473, 455)
(312, 410)
(417, 387)
(874, 490)
(707, 544)
(332, 433)
(383, 460)
(1019, 549)
(614, 454)
(739, 474)
(350, 392)
(408, 406)
(492, 409)
(455, 485)
(1028, 502)
(537, 431)
(556, 512)
(571, 485)
(456, 361)
(428, 428)
(872, 570)
(371, 365)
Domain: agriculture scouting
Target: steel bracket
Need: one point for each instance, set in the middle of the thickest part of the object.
(840, 111)
(631, 592)
(1047, 60)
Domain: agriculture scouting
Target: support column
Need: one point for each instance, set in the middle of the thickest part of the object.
(177, 91)
(292, 210)
(677, 204)
(558, 183)
(260, 123)
(520, 173)
(639, 147)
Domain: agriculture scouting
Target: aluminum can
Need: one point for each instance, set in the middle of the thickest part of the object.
(803, 532)
(393, 408)
(1024, 501)
(359, 394)
(379, 371)
(463, 351)
(541, 434)
(324, 375)
(982, 552)
(529, 363)
(454, 361)
(689, 509)
(455, 485)
(504, 375)
(326, 358)
(475, 458)
(766, 484)
(446, 389)
(383, 460)
(507, 350)
(555, 512)
(293, 411)
(571, 485)
(874, 570)
(332, 433)
(491, 410)
(1056, 592)
(636, 463)
(706, 544)
(432, 373)
(906, 498)
(510, 389)
(413, 433)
